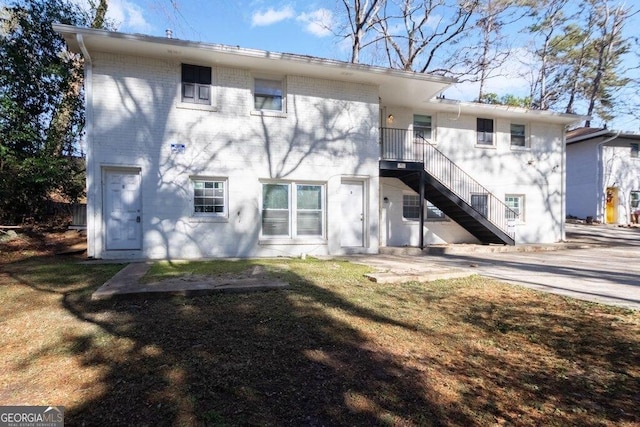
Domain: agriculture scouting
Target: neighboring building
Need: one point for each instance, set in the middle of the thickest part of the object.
(202, 150)
(603, 175)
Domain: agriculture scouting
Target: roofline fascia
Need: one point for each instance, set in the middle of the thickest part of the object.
(566, 118)
(253, 53)
(600, 133)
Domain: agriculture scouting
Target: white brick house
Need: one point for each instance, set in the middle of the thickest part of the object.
(200, 150)
(603, 175)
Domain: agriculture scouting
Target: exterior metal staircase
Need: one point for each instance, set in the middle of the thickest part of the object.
(408, 156)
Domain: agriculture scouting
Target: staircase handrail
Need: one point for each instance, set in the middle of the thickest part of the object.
(452, 176)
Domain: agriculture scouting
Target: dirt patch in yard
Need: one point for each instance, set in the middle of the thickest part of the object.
(28, 242)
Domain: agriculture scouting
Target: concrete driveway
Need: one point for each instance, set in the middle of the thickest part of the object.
(605, 269)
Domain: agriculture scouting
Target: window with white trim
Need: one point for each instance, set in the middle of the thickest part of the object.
(518, 136)
(196, 84)
(484, 131)
(422, 126)
(411, 207)
(209, 197)
(268, 94)
(634, 151)
(515, 203)
(293, 210)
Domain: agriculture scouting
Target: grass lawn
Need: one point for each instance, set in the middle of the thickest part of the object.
(334, 349)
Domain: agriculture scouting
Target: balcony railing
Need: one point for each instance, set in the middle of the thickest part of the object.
(411, 146)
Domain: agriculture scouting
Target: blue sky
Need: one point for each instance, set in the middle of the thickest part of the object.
(293, 27)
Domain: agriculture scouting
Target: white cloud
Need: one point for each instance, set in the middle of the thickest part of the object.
(271, 16)
(317, 22)
(128, 16)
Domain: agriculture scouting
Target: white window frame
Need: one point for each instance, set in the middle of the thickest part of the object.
(414, 202)
(195, 180)
(634, 151)
(526, 145)
(417, 128)
(293, 211)
(493, 133)
(269, 111)
(411, 201)
(520, 209)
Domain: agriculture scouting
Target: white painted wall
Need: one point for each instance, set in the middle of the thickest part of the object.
(535, 172)
(623, 172)
(397, 231)
(590, 173)
(328, 133)
(584, 185)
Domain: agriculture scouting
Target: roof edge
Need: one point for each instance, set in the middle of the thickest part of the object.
(565, 118)
(69, 33)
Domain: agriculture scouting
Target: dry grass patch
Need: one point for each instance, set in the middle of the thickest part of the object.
(334, 349)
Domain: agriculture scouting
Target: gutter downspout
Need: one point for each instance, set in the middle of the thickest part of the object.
(600, 175)
(563, 188)
(92, 191)
(421, 216)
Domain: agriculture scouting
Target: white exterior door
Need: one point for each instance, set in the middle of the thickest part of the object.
(352, 200)
(122, 210)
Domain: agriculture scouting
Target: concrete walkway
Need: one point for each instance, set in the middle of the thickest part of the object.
(597, 263)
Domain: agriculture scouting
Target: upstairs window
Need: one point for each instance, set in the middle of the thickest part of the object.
(422, 126)
(484, 130)
(634, 151)
(196, 84)
(268, 94)
(518, 137)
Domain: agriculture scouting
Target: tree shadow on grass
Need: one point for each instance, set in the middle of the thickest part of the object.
(583, 361)
(271, 358)
(303, 357)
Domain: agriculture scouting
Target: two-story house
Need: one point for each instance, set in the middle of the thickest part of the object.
(603, 175)
(203, 150)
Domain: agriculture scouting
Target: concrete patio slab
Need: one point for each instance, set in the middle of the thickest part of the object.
(126, 284)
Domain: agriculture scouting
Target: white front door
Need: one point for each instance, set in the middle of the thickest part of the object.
(122, 210)
(352, 200)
